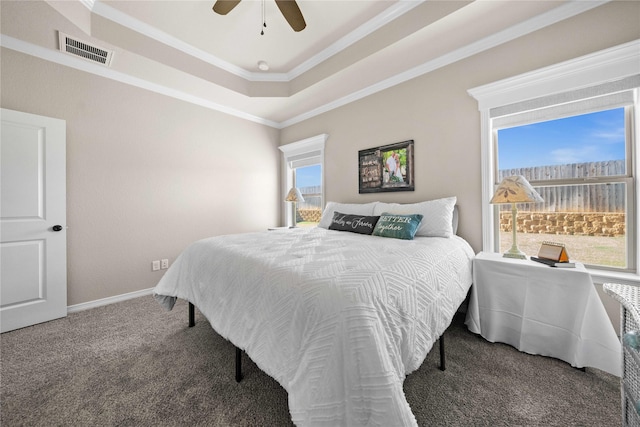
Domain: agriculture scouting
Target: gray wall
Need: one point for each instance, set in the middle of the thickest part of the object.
(436, 111)
(146, 174)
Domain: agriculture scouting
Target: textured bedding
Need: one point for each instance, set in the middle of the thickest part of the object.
(337, 318)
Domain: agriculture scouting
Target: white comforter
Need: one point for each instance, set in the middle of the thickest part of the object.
(338, 319)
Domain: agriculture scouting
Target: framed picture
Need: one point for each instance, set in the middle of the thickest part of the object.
(386, 168)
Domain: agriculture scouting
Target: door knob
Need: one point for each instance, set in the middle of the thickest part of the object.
(57, 228)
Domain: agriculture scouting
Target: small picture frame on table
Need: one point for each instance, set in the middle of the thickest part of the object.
(553, 251)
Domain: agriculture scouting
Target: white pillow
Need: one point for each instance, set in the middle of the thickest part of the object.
(345, 208)
(437, 215)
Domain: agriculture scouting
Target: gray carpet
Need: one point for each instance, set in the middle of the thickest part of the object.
(134, 364)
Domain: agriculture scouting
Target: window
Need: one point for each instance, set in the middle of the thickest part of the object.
(303, 168)
(308, 179)
(580, 167)
(570, 129)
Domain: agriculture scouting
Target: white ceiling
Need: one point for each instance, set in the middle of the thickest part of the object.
(236, 39)
(348, 50)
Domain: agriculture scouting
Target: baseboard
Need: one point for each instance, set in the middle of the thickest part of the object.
(106, 301)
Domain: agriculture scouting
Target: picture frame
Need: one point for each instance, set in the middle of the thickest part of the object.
(386, 168)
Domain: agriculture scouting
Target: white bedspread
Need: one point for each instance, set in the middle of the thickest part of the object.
(338, 319)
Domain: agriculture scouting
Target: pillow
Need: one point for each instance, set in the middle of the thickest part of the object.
(355, 223)
(348, 208)
(397, 226)
(455, 220)
(437, 215)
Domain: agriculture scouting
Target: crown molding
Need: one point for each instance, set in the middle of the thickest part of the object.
(398, 9)
(548, 18)
(88, 3)
(101, 9)
(102, 71)
(551, 17)
(392, 13)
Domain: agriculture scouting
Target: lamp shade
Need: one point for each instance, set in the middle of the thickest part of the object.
(294, 195)
(515, 189)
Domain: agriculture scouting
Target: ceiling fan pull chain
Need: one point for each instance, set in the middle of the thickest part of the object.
(288, 8)
(264, 22)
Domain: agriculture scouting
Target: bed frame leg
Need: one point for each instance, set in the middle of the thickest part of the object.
(442, 359)
(192, 315)
(192, 322)
(238, 364)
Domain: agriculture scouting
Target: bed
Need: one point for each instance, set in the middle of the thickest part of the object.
(337, 318)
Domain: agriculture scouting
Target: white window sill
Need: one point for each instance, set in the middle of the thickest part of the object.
(606, 276)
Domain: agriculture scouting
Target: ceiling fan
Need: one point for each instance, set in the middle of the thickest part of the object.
(289, 9)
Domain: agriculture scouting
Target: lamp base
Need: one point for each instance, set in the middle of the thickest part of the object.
(518, 254)
(514, 252)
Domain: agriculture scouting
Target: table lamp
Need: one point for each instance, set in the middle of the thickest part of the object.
(294, 196)
(515, 189)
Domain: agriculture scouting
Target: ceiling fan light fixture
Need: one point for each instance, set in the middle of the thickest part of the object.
(263, 66)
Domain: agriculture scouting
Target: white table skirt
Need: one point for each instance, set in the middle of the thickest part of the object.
(542, 310)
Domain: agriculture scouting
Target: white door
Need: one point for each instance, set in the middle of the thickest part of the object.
(33, 242)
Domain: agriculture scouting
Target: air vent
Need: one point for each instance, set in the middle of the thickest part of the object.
(73, 46)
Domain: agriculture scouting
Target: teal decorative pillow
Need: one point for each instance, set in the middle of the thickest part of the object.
(397, 226)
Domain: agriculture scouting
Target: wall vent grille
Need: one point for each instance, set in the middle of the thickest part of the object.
(85, 50)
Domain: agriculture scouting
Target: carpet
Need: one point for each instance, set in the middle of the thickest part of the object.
(134, 364)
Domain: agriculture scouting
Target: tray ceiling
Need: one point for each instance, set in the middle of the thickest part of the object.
(348, 50)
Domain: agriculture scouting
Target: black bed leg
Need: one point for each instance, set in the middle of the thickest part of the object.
(238, 365)
(192, 315)
(442, 361)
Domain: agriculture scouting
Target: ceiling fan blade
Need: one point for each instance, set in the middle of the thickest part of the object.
(223, 7)
(292, 14)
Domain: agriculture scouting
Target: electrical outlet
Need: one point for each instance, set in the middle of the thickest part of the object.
(164, 264)
(155, 265)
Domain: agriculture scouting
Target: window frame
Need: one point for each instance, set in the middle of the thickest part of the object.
(306, 152)
(577, 108)
(607, 67)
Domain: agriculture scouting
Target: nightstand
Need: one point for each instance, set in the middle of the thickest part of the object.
(542, 310)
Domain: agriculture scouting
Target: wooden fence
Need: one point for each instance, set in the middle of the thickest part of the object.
(312, 197)
(575, 198)
(567, 198)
